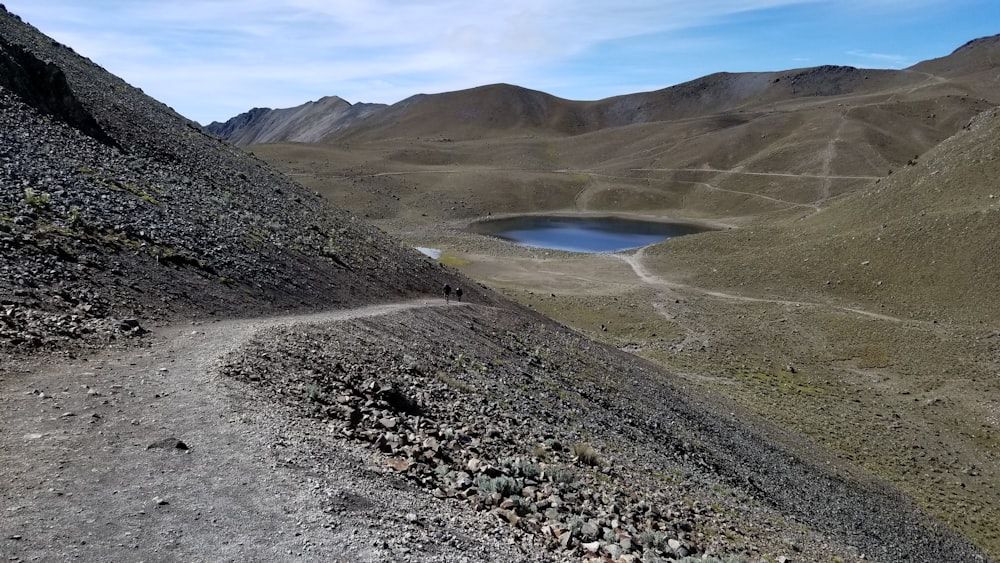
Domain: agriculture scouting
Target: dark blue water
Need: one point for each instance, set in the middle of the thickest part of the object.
(583, 234)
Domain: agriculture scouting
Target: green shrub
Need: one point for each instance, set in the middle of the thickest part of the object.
(75, 221)
(312, 391)
(529, 469)
(650, 538)
(692, 559)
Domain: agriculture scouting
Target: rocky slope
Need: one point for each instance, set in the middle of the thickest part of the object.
(112, 206)
(307, 123)
(575, 450)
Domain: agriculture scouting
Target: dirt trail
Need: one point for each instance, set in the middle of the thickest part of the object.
(744, 173)
(81, 481)
(829, 155)
(580, 201)
(634, 260)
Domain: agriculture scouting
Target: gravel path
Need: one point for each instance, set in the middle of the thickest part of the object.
(92, 468)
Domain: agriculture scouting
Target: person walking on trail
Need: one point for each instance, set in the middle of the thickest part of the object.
(447, 293)
(458, 293)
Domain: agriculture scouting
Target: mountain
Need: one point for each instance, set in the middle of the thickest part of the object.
(922, 226)
(974, 64)
(847, 290)
(503, 109)
(924, 234)
(307, 123)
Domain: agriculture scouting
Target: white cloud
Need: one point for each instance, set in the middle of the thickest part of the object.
(210, 56)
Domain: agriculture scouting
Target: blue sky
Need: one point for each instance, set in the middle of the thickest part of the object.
(213, 59)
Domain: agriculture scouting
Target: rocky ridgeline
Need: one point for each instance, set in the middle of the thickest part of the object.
(112, 206)
(492, 434)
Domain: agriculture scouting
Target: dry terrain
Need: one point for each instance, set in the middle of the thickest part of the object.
(849, 293)
(206, 359)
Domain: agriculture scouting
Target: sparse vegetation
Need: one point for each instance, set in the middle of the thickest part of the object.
(526, 468)
(586, 453)
(821, 309)
(75, 220)
(453, 260)
(38, 200)
(312, 391)
(504, 485)
(454, 383)
(691, 559)
(563, 475)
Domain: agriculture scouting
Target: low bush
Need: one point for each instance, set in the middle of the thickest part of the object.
(586, 453)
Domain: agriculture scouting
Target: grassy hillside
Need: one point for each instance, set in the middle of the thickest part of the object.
(919, 243)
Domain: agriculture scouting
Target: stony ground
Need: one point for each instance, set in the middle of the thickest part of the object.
(866, 322)
(148, 454)
(416, 431)
(573, 447)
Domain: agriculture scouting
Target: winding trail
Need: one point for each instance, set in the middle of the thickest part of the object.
(582, 194)
(815, 207)
(81, 481)
(776, 174)
(634, 260)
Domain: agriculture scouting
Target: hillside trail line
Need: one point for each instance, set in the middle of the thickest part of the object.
(747, 173)
(80, 478)
(634, 260)
(828, 155)
(583, 194)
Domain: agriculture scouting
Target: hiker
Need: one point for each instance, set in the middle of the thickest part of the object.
(458, 293)
(447, 293)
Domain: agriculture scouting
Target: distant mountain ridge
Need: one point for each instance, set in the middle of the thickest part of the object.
(508, 109)
(308, 123)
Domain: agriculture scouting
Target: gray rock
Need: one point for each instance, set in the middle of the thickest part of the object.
(168, 444)
(591, 547)
(590, 530)
(613, 550)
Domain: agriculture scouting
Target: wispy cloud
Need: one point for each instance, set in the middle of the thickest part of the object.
(285, 51)
(893, 61)
(211, 59)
